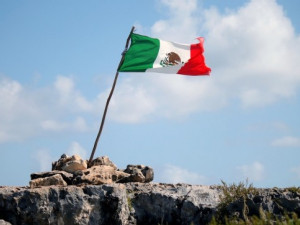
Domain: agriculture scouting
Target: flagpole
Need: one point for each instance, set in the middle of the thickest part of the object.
(109, 97)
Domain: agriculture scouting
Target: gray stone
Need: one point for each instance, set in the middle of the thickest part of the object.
(138, 173)
(99, 175)
(3, 222)
(69, 164)
(103, 161)
(106, 204)
(132, 203)
(48, 181)
(74, 170)
(276, 201)
(68, 177)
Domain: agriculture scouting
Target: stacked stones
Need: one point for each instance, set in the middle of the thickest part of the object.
(72, 170)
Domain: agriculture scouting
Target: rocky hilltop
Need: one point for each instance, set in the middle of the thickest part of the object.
(130, 203)
(75, 193)
(133, 203)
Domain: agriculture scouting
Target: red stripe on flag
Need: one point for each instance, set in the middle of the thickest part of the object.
(196, 64)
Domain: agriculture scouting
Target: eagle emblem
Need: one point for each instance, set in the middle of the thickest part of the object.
(171, 59)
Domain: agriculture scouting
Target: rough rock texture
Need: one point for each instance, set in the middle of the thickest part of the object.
(131, 203)
(138, 173)
(99, 175)
(48, 181)
(3, 222)
(105, 204)
(69, 170)
(278, 202)
(70, 164)
(103, 161)
(68, 177)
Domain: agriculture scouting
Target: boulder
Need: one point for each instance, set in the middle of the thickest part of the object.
(138, 173)
(69, 164)
(70, 170)
(3, 222)
(48, 181)
(138, 203)
(68, 177)
(99, 175)
(103, 161)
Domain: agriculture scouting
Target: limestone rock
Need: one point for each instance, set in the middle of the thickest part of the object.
(69, 164)
(48, 181)
(275, 201)
(103, 161)
(3, 222)
(73, 170)
(99, 175)
(138, 173)
(132, 204)
(93, 205)
(68, 177)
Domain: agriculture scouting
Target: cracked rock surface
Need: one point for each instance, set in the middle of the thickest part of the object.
(132, 204)
(72, 170)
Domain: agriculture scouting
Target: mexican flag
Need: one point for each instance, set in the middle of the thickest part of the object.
(148, 54)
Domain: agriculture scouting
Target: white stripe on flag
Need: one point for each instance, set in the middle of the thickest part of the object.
(166, 47)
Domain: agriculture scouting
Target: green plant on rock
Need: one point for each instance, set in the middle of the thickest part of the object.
(129, 200)
(295, 190)
(233, 193)
(240, 193)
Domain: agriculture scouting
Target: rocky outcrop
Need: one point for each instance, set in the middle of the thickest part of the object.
(75, 193)
(70, 170)
(274, 202)
(70, 164)
(3, 222)
(131, 203)
(134, 203)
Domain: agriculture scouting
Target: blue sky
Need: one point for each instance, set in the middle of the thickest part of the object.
(58, 60)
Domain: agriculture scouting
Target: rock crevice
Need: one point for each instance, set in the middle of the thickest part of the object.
(72, 170)
(133, 204)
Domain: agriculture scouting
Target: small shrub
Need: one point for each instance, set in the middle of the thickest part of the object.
(295, 190)
(233, 193)
(241, 191)
(129, 201)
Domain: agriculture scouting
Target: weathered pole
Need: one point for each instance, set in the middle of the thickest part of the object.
(108, 99)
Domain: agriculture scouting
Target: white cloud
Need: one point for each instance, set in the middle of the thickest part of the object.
(71, 97)
(78, 124)
(53, 125)
(182, 22)
(27, 111)
(287, 141)
(76, 149)
(253, 52)
(131, 103)
(65, 87)
(253, 172)
(174, 174)
(18, 108)
(44, 160)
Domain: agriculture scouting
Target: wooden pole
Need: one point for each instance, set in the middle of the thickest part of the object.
(108, 99)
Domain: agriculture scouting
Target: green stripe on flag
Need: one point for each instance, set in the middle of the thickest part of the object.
(141, 54)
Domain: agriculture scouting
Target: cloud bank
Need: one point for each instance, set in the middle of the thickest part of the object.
(253, 172)
(287, 141)
(174, 174)
(253, 52)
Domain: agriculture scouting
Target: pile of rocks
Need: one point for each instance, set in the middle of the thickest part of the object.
(72, 170)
